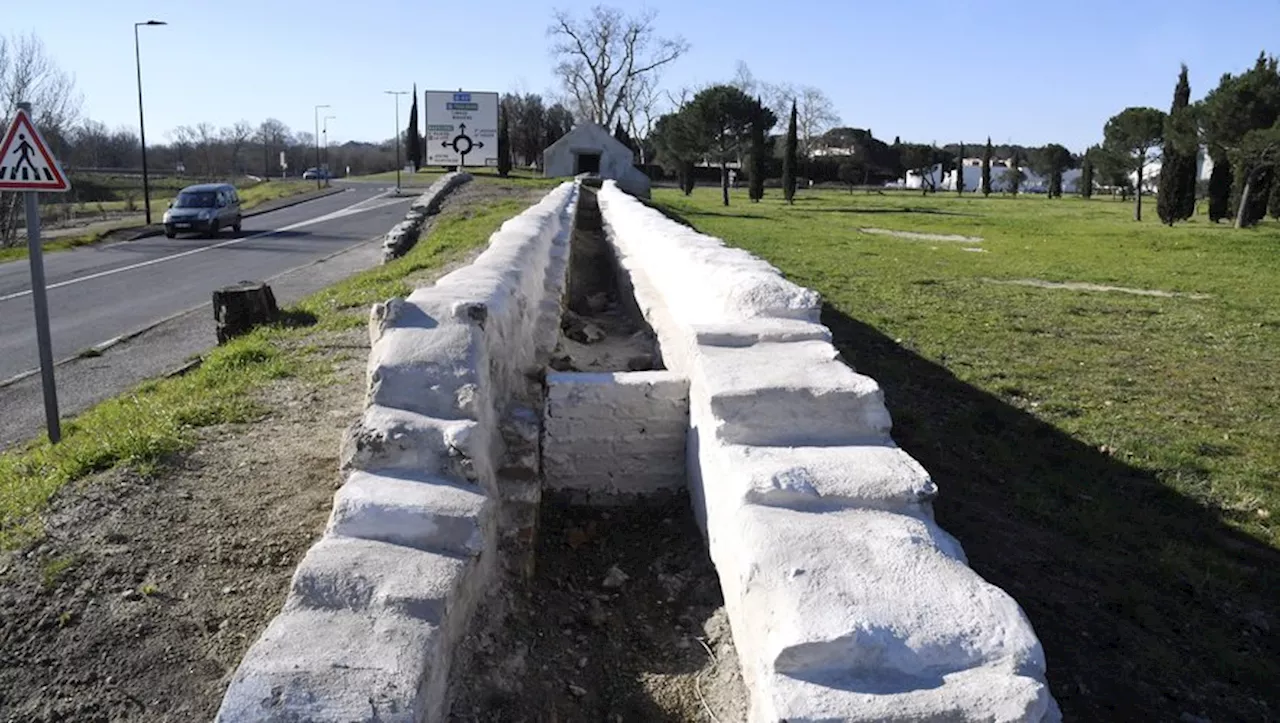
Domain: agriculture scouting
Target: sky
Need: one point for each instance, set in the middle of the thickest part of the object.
(925, 70)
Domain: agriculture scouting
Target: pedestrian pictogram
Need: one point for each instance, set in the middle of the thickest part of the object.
(25, 161)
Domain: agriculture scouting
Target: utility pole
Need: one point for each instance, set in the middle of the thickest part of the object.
(142, 126)
(317, 136)
(324, 131)
(397, 94)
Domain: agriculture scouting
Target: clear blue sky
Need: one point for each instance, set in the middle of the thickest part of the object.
(928, 70)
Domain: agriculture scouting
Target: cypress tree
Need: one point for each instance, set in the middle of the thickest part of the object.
(960, 172)
(1176, 193)
(756, 189)
(413, 141)
(1086, 175)
(504, 144)
(986, 168)
(789, 159)
(1219, 188)
(623, 137)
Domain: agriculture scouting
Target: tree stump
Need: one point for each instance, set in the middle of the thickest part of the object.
(239, 308)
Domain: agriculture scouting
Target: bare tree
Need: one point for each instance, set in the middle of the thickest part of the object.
(602, 59)
(206, 139)
(273, 134)
(234, 137)
(641, 109)
(744, 80)
(815, 113)
(28, 73)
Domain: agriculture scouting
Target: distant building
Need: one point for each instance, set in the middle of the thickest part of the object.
(590, 148)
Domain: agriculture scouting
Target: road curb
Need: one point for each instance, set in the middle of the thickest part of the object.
(116, 341)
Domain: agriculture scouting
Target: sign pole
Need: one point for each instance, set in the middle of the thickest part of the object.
(41, 304)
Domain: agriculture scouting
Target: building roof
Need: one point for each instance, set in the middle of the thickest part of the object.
(587, 134)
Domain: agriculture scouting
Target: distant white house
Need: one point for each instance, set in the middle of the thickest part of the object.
(1032, 182)
(590, 148)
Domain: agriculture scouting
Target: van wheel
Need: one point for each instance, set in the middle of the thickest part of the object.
(236, 227)
(169, 234)
(213, 229)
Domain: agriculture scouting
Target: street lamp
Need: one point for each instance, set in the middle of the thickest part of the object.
(324, 130)
(142, 126)
(317, 113)
(397, 94)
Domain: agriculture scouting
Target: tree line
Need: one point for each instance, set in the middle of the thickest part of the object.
(1237, 124)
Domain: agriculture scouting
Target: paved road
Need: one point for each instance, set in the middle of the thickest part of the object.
(97, 294)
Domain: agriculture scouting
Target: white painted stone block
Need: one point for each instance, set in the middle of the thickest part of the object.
(873, 603)
(333, 666)
(819, 478)
(389, 438)
(427, 513)
(797, 393)
(341, 573)
(625, 429)
(615, 387)
(431, 371)
(747, 333)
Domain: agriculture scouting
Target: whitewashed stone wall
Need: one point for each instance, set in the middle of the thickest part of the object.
(441, 476)
(609, 438)
(404, 235)
(847, 601)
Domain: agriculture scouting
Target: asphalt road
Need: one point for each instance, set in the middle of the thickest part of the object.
(97, 294)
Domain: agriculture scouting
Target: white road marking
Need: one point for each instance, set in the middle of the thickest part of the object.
(358, 207)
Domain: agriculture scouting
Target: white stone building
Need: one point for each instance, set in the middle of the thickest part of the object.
(590, 148)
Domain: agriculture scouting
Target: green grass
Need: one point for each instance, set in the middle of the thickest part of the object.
(158, 419)
(1113, 461)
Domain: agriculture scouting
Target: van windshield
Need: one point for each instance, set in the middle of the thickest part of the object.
(196, 199)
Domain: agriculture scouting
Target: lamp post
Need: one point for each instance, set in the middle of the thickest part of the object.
(397, 94)
(317, 113)
(142, 126)
(324, 131)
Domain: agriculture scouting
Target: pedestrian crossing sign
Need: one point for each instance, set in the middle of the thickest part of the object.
(25, 161)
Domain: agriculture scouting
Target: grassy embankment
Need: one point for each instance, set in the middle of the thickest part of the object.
(1110, 459)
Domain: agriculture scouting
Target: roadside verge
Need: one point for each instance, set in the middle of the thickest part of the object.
(133, 592)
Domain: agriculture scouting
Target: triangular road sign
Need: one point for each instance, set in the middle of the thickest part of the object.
(25, 161)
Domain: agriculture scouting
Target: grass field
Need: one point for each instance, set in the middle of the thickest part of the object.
(1112, 460)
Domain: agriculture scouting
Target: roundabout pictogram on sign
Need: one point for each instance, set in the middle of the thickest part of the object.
(462, 143)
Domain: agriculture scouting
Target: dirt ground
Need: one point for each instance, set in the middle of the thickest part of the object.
(145, 592)
(623, 621)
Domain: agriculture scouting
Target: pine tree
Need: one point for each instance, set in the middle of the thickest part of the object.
(756, 189)
(986, 168)
(504, 143)
(789, 159)
(960, 172)
(413, 141)
(1013, 174)
(1219, 188)
(1085, 184)
(1178, 164)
